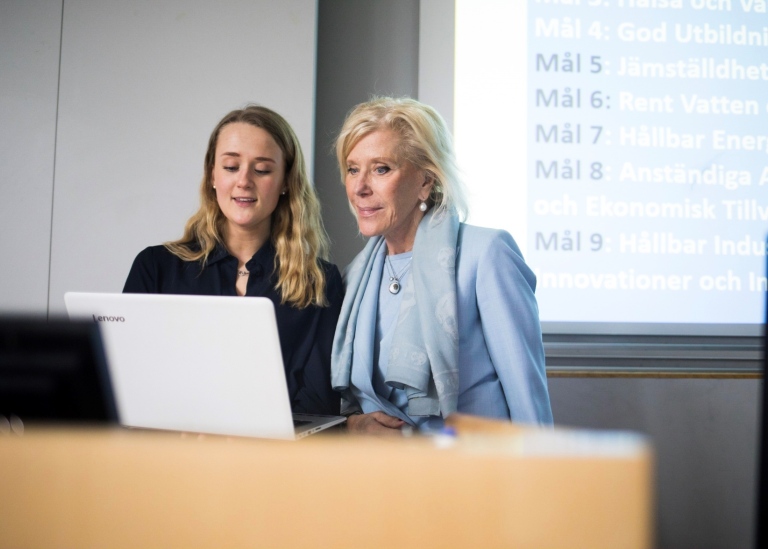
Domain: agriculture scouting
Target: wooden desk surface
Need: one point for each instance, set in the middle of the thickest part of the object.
(523, 488)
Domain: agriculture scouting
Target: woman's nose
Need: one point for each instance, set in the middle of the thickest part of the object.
(361, 186)
(243, 178)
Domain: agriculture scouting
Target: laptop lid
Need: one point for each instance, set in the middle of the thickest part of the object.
(203, 364)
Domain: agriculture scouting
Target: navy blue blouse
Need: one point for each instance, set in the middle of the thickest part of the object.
(306, 335)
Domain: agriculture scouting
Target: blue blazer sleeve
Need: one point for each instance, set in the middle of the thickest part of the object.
(501, 328)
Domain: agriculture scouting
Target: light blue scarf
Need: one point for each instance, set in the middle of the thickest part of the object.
(423, 359)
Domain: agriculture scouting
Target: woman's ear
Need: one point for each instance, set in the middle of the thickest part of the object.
(428, 183)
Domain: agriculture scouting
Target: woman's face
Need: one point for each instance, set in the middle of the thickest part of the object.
(249, 175)
(384, 191)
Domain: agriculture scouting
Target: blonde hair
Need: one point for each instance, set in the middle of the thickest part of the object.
(297, 234)
(424, 141)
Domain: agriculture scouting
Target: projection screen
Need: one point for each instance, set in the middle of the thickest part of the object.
(624, 144)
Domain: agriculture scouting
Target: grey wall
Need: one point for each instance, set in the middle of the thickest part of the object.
(106, 111)
(704, 435)
(29, 73)
(363, 49)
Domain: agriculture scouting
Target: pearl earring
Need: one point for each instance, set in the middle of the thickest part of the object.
(423, 206)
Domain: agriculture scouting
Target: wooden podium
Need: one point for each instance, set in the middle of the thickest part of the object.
(491, 485)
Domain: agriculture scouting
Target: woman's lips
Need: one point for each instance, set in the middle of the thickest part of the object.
(366, 211)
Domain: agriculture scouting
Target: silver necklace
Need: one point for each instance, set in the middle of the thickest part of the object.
(394, 280)
(242, 272)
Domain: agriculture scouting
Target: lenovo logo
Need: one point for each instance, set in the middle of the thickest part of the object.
(108, 318)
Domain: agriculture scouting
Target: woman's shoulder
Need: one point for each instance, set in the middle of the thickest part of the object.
(333, 280)
(161, 256)
(484, 239)
(151, 253)
(148, 270)
(155, 253)
(328, 267)
(492, 253)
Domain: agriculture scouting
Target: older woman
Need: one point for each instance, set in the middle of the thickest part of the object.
(258, 232)
(439, 316)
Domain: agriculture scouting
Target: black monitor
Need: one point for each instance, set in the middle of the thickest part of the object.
(53, 371)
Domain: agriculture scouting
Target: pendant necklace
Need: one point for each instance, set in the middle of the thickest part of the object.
(394, 280)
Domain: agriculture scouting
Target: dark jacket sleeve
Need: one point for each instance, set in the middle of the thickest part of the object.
(142, 278)
(315, 394)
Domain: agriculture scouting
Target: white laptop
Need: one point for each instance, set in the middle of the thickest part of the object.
(200, 364)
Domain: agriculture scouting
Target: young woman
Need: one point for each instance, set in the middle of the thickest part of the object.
(258, 232)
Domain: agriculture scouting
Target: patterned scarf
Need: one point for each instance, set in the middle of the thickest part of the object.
(423, 359)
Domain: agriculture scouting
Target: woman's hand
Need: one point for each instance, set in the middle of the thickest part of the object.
(375, 423)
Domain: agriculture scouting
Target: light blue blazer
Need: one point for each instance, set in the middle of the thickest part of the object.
(501, 356)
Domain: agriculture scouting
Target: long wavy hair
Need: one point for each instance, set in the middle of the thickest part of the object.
(297, 233)
(424, 140)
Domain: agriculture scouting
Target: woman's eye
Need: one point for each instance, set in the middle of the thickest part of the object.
(381, 170)
(351, 170)
(262, 172)
(231, 168)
